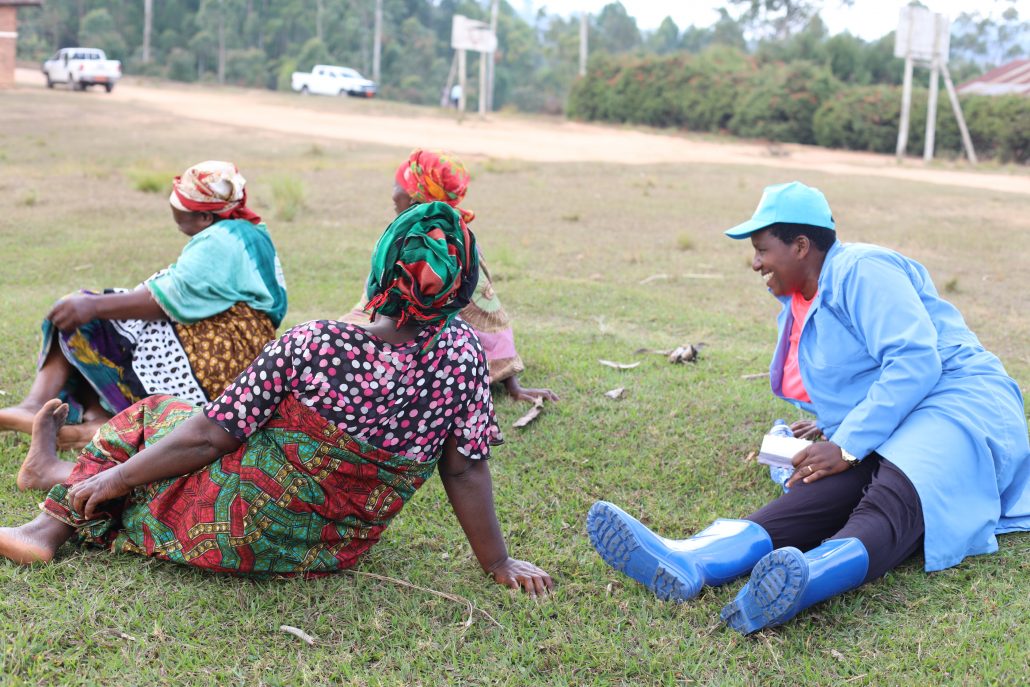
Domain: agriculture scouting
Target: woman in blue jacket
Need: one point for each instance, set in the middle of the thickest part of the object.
(926, 433)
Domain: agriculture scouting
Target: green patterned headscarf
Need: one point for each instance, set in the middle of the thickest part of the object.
(425, 266)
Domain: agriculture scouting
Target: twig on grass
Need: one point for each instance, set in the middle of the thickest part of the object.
(757, 375)
(298, 633)
(447, 595)
(618, 366)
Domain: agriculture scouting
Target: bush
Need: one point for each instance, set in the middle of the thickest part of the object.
(246, 68)
(780, 102)
(695, 92)
(182, 65)
(868, 117)
(998, 126)
(711, 93)
(863, 118)
(284, 78)
(801, 102)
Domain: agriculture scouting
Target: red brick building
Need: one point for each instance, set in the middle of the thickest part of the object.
(9, 37)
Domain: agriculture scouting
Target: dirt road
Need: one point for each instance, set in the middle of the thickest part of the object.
(512, 137)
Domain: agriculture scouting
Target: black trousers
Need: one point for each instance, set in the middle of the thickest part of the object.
(873, 502)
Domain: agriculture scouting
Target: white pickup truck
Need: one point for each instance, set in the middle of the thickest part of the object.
(326, 79)
(82, 67)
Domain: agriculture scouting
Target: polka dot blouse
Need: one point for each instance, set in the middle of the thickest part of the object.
(395, 397)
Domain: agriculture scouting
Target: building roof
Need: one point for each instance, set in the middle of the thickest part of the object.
(1008, 79)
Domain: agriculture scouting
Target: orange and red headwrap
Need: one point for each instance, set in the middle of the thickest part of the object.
(213, 186)
(429, 176)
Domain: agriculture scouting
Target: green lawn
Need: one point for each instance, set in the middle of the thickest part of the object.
(569, 246)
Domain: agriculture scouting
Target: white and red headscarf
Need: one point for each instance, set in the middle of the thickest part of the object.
(213, 186)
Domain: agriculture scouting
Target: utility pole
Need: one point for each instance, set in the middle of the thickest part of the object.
(483, 85)
(319, 10)
(583, 36)
(462, 80)
(906, 107)
(148, 22)
(377, 42)
(221, 41)
(931, 110)
(492, 64)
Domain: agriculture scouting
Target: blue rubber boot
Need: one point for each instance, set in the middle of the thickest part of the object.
(786, 582)
(675, 570)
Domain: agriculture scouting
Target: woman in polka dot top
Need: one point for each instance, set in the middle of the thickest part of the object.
(301, 463)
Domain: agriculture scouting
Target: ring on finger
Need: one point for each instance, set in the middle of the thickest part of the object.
(809, 469)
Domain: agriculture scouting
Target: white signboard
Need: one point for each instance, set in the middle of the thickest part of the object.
(469, 34)
(922, 35)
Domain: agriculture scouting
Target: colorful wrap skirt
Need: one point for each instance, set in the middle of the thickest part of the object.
(123, 361)
(299, 497)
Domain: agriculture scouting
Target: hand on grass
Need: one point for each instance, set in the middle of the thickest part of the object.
(806, 429)
(520, 393)
(814, 462)
(86, 496)
(521, 574)
(73, 312)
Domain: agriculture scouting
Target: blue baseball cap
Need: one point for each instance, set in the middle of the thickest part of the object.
(793, 203)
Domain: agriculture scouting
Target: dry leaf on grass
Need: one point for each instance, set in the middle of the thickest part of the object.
(538, 405)
(298, 633)
(683, 354)
(618, 366)
(615, 393)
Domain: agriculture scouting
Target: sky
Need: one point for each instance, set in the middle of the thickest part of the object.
(867, 19)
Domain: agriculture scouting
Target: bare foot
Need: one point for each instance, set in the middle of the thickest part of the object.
(74, 437)
(19, 418)
(34, 542)
(42, 469)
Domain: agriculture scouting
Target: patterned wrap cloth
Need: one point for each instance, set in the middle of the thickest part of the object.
(224, 297)
(424, 267)
(434, 176)
(429, 176)
(213, 186)
(339, 430)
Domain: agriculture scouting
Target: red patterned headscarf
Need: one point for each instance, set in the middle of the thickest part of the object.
(213, 186)
(429, 176)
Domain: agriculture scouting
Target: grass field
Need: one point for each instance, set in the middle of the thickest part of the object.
(569, 246)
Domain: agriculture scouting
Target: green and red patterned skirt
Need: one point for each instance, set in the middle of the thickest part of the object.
(299, 497)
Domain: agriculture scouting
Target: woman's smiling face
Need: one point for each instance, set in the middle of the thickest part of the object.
(778, 262)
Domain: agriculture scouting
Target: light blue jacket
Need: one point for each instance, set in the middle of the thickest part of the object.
(892, 368)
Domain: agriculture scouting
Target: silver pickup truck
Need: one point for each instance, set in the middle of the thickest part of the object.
(80, 68)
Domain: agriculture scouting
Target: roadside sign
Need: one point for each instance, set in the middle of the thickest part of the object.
(469, 34)
(922, 35)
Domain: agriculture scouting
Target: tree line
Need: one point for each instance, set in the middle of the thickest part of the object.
(259, 43)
